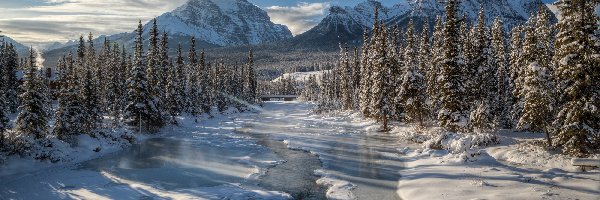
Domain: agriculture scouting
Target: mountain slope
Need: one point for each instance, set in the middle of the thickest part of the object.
(346, 25)
(223, 23)
(22, 50)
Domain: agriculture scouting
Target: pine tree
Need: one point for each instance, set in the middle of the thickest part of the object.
(114, 91)
(365, 74)
(173, 103)
(69, 113)
(538, 104)
(31, 123)
(346, 79)
(577, 73)
(141, 109)
(381, 105)
(250, 83)
(89, 89)
(205, 85)
(516, 71)
(356, 80)
(164, 66)
(154, 69)
(485, 81)
(453, 112)
(500, 63)
(179, 82)
(4, 109)
(530, 59)
(3, 99)
(220, 80)
(192, 90)
(10, 78)
(433, 72)
(412, 90)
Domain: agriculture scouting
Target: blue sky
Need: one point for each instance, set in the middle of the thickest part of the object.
(40, 22)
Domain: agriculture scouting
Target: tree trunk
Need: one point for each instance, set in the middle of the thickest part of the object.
(548, 139)
(385, 124)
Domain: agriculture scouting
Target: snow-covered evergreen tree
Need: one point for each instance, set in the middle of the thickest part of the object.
(220, 80)
(346, 79)
(192, 90)
(250, 82)
(413, 82)
(141, 110)
(382, 98)
(453, 112)
(484, 86)
(500, 64)
(31, 124)
(433, 72)
(577, 73)
(69, 115)
(365, 74)
(89, 89)
(154, 68)
(516, 70)
(11, 87)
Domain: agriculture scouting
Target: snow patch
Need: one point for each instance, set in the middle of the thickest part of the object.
(337, 189)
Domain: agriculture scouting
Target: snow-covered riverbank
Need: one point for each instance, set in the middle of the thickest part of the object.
(205, 160)
(221, 158)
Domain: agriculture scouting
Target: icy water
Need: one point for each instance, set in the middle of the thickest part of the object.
(176, 163)
(295, 175)
(348, 152)
(229, 158)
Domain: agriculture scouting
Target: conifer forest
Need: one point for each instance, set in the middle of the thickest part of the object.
(260, 99)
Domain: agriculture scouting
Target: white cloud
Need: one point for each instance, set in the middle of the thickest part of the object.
(62, 20)
(299, 18)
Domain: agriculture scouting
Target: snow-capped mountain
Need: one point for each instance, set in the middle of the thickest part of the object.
(347, 24)
(22, 50)
(222, 23)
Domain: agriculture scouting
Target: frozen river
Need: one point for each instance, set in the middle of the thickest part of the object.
(270, 155)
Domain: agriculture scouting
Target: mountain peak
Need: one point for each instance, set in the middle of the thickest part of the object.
(223, 23)
(346, 25)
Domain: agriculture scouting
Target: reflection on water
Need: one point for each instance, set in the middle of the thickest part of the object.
(175, 164)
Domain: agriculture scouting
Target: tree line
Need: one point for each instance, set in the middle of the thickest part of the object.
(143, 91)
(540, 77)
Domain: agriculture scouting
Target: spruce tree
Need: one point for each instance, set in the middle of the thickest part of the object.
(89, 89)
(433, 71)
(250, 83)
(11, 61)
(141, 110)
(577, 74)
(220, 80)
(346, 79)
(516, 72)
(381, 101)
(484, 86)
(365, 74)
(154, 69)
(173, 103)
(453, 111)
(500, 63)
(69, 115)
(205, 86)
(32, 123)
(179, 81)
(413, 82)
(192, 90)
